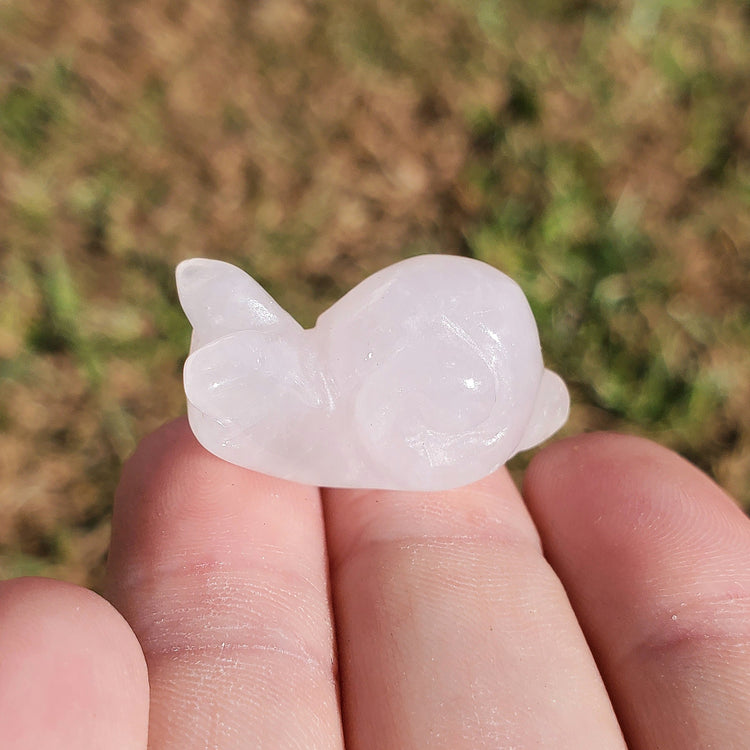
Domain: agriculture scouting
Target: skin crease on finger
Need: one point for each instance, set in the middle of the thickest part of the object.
(656, 561)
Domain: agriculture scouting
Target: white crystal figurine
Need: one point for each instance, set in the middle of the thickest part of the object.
(428, 375)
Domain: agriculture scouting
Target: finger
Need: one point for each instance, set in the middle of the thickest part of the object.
(453, 631)
(72, 675)
(222, 573)
(656, 560)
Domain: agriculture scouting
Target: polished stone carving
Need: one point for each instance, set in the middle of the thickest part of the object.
(427, 375)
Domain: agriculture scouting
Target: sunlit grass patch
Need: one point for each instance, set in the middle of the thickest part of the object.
(598, 152)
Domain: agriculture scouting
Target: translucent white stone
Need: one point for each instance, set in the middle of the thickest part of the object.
(427, 375)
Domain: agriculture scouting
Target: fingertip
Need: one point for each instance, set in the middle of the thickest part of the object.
(173, 438)
(654, 557)
(635, 531)
(600, 450)
(168, 467)
(176, 501)
(606, 467)
(73, 674)
(221, 571)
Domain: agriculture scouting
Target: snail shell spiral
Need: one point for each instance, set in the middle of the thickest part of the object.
(438, 366)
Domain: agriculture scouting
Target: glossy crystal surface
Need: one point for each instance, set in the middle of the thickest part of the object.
(427, 375)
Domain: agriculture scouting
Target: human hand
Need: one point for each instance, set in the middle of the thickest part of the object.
(452, 629)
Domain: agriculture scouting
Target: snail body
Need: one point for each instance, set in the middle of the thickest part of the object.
(425, 376)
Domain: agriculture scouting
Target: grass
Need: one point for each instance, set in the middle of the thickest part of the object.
(597, 152)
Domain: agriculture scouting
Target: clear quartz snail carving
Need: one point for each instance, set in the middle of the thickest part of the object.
(428, 375)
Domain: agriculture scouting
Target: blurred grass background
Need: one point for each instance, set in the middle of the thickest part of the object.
(599, 152)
